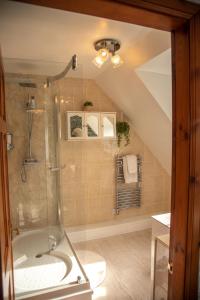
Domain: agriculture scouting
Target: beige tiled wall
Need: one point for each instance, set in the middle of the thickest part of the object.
(88, 181)
(33, 203)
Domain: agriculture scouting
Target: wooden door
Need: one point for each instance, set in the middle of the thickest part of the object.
(180, 162)
(7, 288)
(193, 230)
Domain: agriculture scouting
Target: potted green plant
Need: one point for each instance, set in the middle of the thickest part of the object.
(87, 105)
(123, 132)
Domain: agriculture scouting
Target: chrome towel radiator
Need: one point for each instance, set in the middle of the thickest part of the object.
(127, 194)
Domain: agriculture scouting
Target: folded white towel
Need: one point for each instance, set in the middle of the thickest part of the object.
(131, 163)
(128, 177)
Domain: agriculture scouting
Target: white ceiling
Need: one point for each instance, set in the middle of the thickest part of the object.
(49, 36)
(39, 40)
(159, 64)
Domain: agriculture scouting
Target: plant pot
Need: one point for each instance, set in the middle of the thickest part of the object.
(87, 108)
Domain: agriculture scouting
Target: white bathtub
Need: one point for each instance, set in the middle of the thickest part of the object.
(43, 274)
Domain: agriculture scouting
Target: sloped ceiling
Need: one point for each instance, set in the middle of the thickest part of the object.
(39, 40)
(149, 120)
(156, 76)
(144, 93)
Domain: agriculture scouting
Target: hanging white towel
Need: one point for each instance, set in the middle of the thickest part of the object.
(129, 177)
(131, 163)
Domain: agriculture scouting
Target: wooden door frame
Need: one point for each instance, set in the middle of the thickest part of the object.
(177, 17)
(6, 256)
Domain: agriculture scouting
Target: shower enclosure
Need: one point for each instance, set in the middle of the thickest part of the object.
(44, 260)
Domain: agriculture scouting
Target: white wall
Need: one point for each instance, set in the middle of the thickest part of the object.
(160, 87)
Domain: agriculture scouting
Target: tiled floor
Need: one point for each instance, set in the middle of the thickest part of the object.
(127, 258)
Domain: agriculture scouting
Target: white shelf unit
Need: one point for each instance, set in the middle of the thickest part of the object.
(90, 125)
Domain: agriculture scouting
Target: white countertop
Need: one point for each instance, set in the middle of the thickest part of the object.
(163, 218)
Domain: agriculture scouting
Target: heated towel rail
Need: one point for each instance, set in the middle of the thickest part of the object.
(127, 194)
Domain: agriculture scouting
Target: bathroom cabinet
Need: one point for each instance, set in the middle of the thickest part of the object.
(108, 125)
(90, 125)
(75, 125)
(159, 255)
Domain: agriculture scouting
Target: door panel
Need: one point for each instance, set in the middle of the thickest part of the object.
(7, 287)
(92, 125)
(108, 123)
(75, 124)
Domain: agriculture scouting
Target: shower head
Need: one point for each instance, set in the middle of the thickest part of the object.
(28, 84)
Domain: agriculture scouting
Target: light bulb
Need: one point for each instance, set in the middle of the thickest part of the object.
(116, 60)
(98, 61)
(104, 53)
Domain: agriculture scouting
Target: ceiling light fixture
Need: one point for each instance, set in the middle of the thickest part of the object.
(116, 60)
(107, 48)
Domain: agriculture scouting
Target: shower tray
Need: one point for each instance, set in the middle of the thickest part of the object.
(47, 274)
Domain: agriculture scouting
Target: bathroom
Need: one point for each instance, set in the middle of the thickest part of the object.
(71, 237)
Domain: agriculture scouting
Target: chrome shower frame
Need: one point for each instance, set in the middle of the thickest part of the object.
(30, 109)
(71, 65)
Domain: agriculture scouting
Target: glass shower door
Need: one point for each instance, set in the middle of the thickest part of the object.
(53, 167)
(43, 256)
(30, 206)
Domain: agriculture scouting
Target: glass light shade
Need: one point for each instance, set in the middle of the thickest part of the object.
(116, 61)
(98, 61)
(103, 53)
